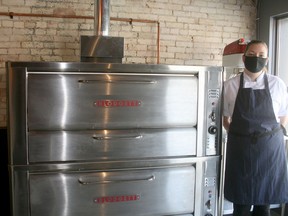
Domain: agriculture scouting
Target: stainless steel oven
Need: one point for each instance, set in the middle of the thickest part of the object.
(113, 139)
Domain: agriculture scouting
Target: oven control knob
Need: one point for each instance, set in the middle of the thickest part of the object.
(212, 130)
(213, 116)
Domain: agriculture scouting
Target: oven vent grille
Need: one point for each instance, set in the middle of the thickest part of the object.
(210, 181)
(213, 93)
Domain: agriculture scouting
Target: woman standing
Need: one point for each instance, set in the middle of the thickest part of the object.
(255, 109)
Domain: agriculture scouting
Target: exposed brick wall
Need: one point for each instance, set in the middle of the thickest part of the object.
(192, 32)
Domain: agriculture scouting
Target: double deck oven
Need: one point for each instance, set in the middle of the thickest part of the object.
(97, 139)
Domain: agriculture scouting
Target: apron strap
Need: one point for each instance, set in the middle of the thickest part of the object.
(256, 135)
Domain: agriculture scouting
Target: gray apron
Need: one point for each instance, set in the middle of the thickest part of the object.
(256, 168)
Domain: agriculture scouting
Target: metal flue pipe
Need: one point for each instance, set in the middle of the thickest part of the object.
(102, 17)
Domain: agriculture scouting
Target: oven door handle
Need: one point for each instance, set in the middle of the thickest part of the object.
(86, 182)
(117, 137)
(118, 81)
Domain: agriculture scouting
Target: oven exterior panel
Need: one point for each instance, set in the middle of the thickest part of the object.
(19, 195)
(17, 115)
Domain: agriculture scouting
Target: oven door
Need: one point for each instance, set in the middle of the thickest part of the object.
(103, 101)
(100, 145)
(154, 191)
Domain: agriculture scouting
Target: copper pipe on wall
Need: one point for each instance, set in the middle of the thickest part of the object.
(12, 14)
(144, 21)
(130, 20)
(158, 42)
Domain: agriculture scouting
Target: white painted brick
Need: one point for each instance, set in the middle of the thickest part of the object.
(29, 25)
(183, 56)
(225, 11)
(208, 10)
(196, 27)
(74, 46)
(13, 2)
(174, 25)
(11, 45)
(206, 22)
(218, 17)
(176, 49)
(30, 44)
(65, 52)
(174, 31)
(41, 24)
(41, 52)
(200, 3)
(19, 9)
(51, 58)
(31, 3)
(215, 5)
(231, 29)
(167, 55)
(174, 61)
(51, 32)
(3, 51)
(232, 7)
(186, 44)
(40, 31)
(25, 58)
(184, 32)
(5, 58)
(7, 23)
(6, 31)
(232, 1)
(138, 60)
(189, 20)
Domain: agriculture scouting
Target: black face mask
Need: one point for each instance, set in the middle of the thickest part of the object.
(254, 64)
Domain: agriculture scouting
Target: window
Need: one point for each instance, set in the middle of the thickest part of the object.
(281, 48)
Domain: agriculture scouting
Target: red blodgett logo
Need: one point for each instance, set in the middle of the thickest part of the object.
(117, 103)
(111, 199)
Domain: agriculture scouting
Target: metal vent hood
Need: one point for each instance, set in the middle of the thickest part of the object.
(101, 47)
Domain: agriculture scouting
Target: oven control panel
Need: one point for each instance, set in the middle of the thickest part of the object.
(209, 196)
(213, 118)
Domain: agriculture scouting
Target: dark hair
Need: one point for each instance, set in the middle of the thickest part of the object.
(255, 42)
